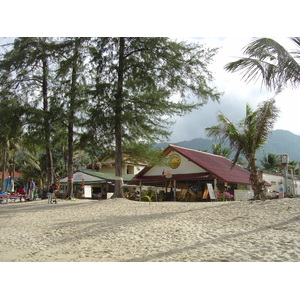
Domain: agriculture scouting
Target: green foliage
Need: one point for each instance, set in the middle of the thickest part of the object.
(270, 162)
(223, 151)
(154, 70)
(102, 95)
(270, 60)
(249, 136)
(225, 196)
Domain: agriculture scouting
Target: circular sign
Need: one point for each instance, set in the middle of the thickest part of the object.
(174, 161)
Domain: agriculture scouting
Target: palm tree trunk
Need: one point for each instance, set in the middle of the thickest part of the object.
(256, 183)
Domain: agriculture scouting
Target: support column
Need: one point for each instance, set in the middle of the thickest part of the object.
(174, 186)
(140, 191)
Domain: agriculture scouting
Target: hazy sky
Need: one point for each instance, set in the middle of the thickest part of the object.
(236, 94)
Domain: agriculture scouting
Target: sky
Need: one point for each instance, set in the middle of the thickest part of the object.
(236, 93)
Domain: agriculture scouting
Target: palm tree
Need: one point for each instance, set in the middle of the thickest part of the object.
(270, 162)
(219, 150)
(294, 164)
(248, 137)
(272, 61)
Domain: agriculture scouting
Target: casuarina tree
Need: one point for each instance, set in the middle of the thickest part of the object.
(139, 84)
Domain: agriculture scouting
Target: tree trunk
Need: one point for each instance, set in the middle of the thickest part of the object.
(118, 123)
(3, 167)
(70, 191)
(256, 183)
(49, 160)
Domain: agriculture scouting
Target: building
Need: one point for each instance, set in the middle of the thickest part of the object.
(128, 167)
(196, 175)
(288, 184)
(98, 181)
(92, 184)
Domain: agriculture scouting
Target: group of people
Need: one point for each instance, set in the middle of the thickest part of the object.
(51, 192)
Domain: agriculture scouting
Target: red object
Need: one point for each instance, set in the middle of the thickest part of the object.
(214, 166)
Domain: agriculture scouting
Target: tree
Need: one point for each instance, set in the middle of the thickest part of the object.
(269, 59)
(27, 64)
(270, 162)
(248, 137)
(223, 151)
(11, 113)
(295, 166)
(71, 74)
(139, 84)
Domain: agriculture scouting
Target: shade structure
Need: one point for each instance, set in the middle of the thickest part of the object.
(80, 177)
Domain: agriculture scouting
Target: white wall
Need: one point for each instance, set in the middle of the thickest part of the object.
(242, 195)
(185, 167)
(293, 186)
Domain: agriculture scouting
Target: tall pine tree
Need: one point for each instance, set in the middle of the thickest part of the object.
(72, 76)
(139, 84)
(28, 65)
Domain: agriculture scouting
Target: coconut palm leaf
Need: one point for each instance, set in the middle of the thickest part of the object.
(269, 59)
(251, 133)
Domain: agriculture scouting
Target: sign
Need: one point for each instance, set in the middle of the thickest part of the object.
(87, 191)
(281, 191)
(284, 159)
(209, 191)
(174, 161)
(167, 173)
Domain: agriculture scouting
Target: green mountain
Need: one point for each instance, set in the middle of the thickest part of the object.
(279, 142)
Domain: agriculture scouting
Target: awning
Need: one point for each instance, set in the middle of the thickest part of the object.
(79, 176)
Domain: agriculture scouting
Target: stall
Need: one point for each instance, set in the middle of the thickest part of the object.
(191, 175)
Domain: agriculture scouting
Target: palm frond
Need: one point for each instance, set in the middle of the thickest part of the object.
(269, 59)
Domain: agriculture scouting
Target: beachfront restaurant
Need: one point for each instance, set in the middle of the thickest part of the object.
(92, 184)
(191, 175)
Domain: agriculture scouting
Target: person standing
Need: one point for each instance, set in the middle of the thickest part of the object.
(31, 189)
(51, 194)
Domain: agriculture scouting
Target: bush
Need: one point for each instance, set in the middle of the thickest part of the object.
(225, 196)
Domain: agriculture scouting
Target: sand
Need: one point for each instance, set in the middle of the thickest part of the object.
(121, 230)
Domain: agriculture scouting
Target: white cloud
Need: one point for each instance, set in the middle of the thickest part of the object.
(236, 94)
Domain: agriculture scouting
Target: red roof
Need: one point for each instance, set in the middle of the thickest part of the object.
(217, 166)
(6, 174)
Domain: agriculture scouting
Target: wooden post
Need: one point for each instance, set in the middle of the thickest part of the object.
(174, 190)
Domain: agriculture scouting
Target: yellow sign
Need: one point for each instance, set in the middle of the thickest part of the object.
(174, 161)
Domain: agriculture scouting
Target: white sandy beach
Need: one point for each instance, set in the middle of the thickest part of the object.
(120, 230)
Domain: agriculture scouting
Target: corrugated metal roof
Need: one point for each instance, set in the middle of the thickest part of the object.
(107, 176)
(88, 179)
(218, 166)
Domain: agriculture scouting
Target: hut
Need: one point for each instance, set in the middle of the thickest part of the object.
(92, 184)
(192, 175)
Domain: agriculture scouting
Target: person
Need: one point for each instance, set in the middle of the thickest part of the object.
(51, 193)
(31, 189)
(54, 200)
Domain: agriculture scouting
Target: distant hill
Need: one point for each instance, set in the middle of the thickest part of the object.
(279, 142)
